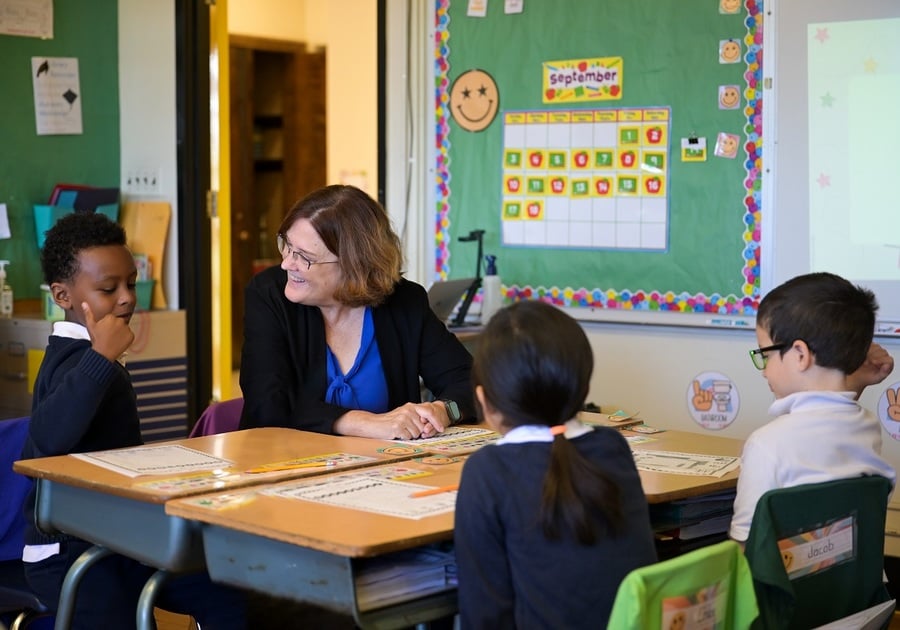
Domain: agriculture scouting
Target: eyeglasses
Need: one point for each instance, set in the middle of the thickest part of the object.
(286, 250)
(759, 357)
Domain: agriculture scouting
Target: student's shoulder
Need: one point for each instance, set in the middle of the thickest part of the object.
(64, 349)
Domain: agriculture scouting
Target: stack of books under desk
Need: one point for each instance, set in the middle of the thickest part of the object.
(687, 524)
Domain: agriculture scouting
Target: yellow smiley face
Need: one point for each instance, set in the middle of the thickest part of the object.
(730, 51)
(474, 100)
(729, 6)
(729, 96)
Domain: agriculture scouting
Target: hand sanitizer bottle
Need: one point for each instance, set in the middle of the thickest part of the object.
(6, 293)
(491, 297)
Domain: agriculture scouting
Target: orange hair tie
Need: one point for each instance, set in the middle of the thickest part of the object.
(558, 429)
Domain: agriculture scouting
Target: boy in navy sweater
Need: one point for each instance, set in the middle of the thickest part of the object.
(84, 401)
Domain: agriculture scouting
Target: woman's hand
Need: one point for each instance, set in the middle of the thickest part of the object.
(411, 421)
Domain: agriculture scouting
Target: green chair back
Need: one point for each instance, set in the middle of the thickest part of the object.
(710, 587)
(816, 551)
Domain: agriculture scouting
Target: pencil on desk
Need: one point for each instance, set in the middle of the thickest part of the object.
(265, 469)
(431, 491)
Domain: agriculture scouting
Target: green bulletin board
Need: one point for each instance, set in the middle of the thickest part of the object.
(669, 59)
(31, 165)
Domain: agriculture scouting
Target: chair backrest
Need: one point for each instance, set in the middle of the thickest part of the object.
(15, 488)
(816, 551)
(704, 588)
(220, 417)
(15, 596)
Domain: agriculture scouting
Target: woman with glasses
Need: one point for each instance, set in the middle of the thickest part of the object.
(336, 341)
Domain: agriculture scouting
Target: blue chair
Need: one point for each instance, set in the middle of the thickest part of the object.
(15, 596)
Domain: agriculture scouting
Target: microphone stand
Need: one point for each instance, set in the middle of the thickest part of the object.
(474, 235)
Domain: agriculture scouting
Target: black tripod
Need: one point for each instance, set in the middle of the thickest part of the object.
(459, 320)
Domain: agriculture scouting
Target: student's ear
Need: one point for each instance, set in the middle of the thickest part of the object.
(60, 293)
(803, 357)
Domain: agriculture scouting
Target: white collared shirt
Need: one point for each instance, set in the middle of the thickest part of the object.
(541, 433)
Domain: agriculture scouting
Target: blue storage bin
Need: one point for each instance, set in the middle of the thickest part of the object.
(45, 217)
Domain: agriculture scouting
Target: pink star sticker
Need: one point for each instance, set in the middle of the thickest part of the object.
(822, 34)
(824, 180)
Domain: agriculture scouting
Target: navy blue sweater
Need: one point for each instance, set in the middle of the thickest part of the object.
(82, 402)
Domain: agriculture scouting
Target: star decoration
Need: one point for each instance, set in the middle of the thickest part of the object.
(822, 35)
(823, 180)
(827, 99)
(870, 65)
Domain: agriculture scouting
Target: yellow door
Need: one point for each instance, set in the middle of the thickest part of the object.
(219, 200)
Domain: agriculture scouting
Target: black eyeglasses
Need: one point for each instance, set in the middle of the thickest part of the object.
(285, 249)
(759, 357)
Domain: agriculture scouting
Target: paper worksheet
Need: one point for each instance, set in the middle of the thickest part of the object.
(455, 440)
(685, 463)
(154, 460)
(371, 494)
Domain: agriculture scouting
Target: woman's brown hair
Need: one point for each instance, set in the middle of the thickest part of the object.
(356, 229)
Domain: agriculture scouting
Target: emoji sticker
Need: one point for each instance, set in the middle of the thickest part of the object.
(729, 7)
(474, 100)
(729, 51)
(729, 97)
(889, 411)
(713, 400)
(726, 145)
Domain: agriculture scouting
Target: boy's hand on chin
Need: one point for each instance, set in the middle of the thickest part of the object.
(110, 336)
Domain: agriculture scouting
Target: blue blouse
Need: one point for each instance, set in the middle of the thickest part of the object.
(363, 386)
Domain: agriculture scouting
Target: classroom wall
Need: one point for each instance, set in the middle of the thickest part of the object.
(147, 115)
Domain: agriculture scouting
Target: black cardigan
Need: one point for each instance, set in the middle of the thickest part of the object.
(283, 362)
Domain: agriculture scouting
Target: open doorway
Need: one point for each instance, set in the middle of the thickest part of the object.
(278, 151)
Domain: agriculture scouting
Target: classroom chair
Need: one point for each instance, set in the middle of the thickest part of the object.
(704, 588)
(15, 596)
(219, 417)
(816, 552)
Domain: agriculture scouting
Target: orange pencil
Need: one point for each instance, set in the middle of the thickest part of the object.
(265, 469)
(431, 491)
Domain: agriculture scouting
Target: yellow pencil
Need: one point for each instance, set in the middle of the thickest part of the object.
(431, 491)
(265, 469)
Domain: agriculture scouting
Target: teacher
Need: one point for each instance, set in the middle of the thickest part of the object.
(336, 341)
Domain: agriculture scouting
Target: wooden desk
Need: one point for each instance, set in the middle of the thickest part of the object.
(663, 487)
(311, 552)
(80, 498)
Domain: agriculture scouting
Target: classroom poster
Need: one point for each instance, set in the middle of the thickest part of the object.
(569, 152)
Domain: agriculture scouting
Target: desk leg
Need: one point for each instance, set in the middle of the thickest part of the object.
(145, 619)
(70, 585)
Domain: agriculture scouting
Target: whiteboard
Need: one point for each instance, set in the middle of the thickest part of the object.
(832, 87)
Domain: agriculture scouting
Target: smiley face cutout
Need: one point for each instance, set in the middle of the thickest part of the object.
(729, 51)
(729, 7)
(729, 97)
(474, 100)
(726, 145)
